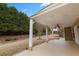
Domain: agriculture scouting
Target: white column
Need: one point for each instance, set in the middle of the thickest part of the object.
(46, 34)
(51, 28)
(30, 34)
(52, 31)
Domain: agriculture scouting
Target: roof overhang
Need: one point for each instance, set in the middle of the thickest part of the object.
(58, 13)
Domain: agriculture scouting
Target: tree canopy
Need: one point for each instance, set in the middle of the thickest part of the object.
(12, 21)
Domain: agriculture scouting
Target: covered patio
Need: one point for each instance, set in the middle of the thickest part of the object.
(66, 15)
(53, 48)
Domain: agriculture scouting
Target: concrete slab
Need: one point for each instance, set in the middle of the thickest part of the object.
(53, 48)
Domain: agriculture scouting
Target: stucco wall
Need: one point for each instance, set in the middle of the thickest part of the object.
(76, 32)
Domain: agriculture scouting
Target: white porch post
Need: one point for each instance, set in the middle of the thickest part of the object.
(46, 35)
(30, 34)
(51, 29)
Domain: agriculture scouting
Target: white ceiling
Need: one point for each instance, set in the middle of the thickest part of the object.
(65, 15)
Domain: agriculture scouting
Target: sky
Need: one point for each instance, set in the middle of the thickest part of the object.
(28, 8)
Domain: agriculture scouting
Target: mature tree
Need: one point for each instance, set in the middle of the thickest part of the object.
(12, 21)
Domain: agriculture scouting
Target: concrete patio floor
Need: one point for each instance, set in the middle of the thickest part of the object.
(53, 48)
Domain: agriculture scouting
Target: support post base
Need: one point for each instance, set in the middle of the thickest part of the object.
(47, 41)
(30, 48)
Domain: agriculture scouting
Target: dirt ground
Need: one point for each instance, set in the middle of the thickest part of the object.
(13, 47)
